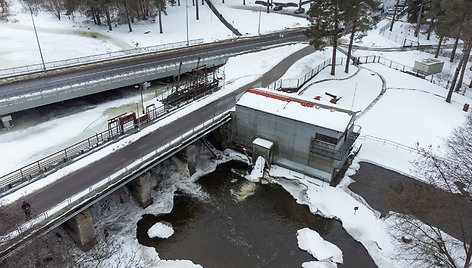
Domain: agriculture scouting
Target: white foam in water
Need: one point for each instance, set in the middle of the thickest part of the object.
(245, 190)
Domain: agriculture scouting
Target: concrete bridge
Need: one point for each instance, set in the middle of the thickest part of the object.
(68, 198)
(27, 91)
(66, 201)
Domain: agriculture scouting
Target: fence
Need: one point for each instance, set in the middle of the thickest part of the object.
(445, 83)
(74, 86)
(388, 142)
(400, 39)
(49, 163)
(292, 84)
(94, 58)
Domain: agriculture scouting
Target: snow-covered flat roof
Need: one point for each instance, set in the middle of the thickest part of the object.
(263, 143)
(284, 105)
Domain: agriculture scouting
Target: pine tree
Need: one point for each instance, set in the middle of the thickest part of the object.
(453, 10)
(325, 17)
(359, 19)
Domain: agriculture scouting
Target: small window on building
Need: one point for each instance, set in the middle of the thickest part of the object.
(325, 138)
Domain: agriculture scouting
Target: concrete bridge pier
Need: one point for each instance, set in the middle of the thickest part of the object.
(80, 228)
(141, 188)
(190, 157)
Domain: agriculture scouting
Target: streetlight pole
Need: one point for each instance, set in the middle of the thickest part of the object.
(186, 17)
(37, 39)
(259, 26)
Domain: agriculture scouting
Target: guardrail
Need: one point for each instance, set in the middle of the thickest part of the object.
(8, 72)
(46, 165)
(292, 84)
(46, 217)
(71, 87)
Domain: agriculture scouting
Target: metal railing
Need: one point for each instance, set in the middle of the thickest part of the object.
(74, 86)
(8, 72)
(400, 39)
(287, 84)
(394, 144)
(46, 165)
(434, 79)
(106, 183)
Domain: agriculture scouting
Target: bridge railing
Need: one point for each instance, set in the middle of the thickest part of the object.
(74, 86)
(50, 163)
(64, 207)
(8, 72)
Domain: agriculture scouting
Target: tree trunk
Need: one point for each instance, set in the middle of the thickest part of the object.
(436, 55)
(160, 19)
(464, 65)
(178, 3)
(454, 48)
(459, 66)
(268, 3)
(196, 9)
(244, 2)
(127, 16)
(430, 29)
(193, 2)
(349, 50)
(107, 14)
(335, 39)
(418, 21)
(394, 15)
(203, 2)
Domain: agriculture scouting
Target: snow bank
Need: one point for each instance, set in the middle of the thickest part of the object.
(318, 264)
(258, 170)
(363, 224)
(160, 230)
(321, 249)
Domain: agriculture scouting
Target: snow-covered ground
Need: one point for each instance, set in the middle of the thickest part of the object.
(74, 36)
(411, 110)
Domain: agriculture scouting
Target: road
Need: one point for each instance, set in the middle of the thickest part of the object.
(95, 71)
(46, 198)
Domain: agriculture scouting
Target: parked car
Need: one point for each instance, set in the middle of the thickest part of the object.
(278, 8)
(389, 11)
(300, 10)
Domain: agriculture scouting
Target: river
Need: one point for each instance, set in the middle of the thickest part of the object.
(243, 224)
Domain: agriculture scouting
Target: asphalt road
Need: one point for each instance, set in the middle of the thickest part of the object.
(94, 71)
(46, 198)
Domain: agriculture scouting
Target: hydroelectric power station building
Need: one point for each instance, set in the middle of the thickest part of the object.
(302, 135)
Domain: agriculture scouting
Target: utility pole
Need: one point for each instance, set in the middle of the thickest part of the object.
(37, 38)
(186, 17)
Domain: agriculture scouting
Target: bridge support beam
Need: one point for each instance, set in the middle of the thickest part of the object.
(141, 189)
(80, 228)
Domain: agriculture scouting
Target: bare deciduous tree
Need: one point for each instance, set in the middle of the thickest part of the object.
(424, 244)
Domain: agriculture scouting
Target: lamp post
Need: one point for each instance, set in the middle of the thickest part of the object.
(186, 17)
(37, 38)
(259, 26)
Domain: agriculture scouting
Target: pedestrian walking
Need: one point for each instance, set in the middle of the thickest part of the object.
(26, 207)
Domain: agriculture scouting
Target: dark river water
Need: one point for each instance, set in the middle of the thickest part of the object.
(258, 230)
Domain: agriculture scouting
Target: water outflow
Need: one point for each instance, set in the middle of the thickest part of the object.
(258, 229)
(186, 185)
